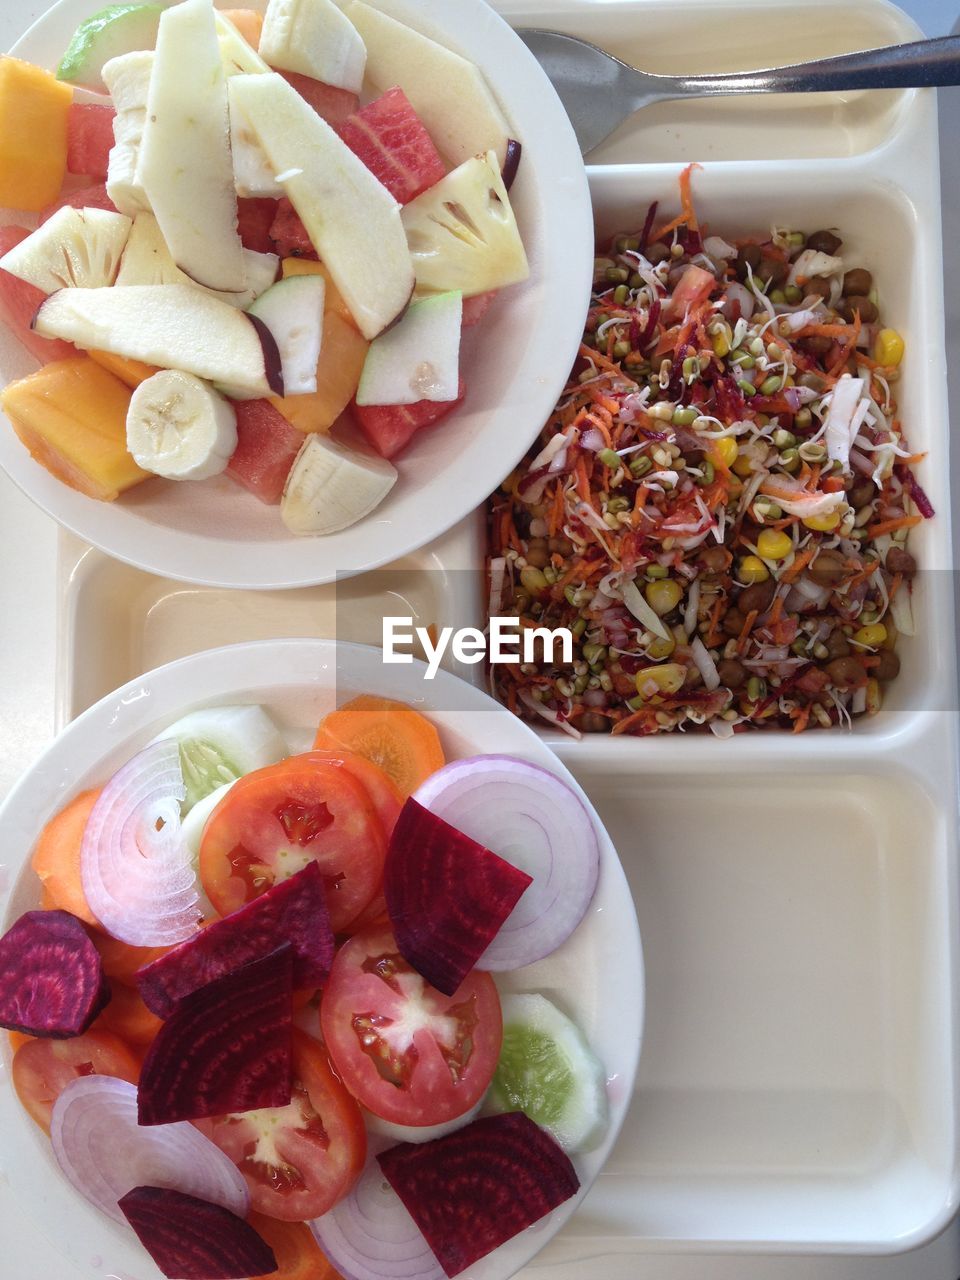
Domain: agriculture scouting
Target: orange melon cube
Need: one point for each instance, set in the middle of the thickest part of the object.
(34, 106)
(130, 372)
(72, 416)
(342, 353)
(248, 22)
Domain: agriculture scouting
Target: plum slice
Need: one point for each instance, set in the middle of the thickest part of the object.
(191, 1239)
(51, 976)
(227, 1047)
(478, 1187)
(447, 896)
(293, 911)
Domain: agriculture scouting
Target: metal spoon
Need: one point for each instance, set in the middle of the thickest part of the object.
(599, 91)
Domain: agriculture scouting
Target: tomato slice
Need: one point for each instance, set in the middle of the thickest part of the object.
(383, 791)
(42, 1069)
(298, 1160)
(407, 1052)
(272, 822)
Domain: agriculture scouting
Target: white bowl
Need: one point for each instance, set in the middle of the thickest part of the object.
(515, 364)
(597, 974)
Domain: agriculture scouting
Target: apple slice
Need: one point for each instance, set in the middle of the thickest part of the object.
(128, 79)
(351, 219)
(236, 54)
(314, 38)
(147, 260)
(185, 163)
(293, 312)
(172, 326)
(462, 232)
(75, 248)
(448, 92)
(419, 358)
(252, 174)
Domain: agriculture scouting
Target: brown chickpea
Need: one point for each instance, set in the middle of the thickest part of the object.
(846, 673)
(902, 562)
(827, 569)
(857, 282)
(715, 559)
(733, 621)
(817, 344)
(838, 646)
(851, 307)
(773, 271)
(888, 668)
(862, 493)
(657, 252)
(758, 596)
(562, 546)
(732, 673)
(824, 242)
(593, 722)
(537, 553)
(819, 285)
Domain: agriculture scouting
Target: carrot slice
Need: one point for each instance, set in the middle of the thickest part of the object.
(128, 1017)
(400, 740)
(298, 1254)
(121, 961)
(56, 858)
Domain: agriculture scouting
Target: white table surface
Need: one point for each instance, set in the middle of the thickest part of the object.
(28, 556)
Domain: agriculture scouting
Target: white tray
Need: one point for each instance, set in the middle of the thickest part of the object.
(797, 896)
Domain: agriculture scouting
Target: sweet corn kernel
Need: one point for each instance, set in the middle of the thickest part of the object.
(666, 678)
(752, 569)
(660, 648)
(743, 466)
(774, 544)
(872, 635)
(726, 450)
(824, 523)
(721, 347)
(888, 348)
(663, 596)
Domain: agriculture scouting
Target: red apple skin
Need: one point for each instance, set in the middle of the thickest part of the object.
(272, 364)
(511, 162)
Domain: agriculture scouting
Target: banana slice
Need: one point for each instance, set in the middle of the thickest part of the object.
(331, 487)
(180, 428)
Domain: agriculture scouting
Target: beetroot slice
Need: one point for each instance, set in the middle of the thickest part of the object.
(191, 1239)
(447, 896)
(51, 977)
(226, 1048)
(478, 1187)
(293, 911)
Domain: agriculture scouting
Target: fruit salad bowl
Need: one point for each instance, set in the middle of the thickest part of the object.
(512, 364)
(595, 976)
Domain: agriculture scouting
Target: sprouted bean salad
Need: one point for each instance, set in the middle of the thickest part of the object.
(719, 506)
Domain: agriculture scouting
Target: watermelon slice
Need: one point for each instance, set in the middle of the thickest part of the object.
(447, 896)
(192, 1239)
(293, 910)
(390, 427)
(256, 218)
(476, 1188)
(89, 139)
(392, 141)
(51, 977)
(19, 303)
(94, 197)
(289, 235)
(335, 105)
(475, 308)
(267, 445)
(227, 1047)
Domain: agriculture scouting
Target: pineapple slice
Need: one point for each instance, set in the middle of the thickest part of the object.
(462, 233)
(72, 416)
(75, 249)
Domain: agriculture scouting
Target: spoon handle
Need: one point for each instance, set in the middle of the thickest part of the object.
(923, 63)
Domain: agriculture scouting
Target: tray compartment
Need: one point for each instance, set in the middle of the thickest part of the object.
(705, 38)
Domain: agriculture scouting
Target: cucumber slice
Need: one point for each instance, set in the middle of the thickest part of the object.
(548, 1070)
(418, 358)
(116, 30)
(220, 744)
(292, 310)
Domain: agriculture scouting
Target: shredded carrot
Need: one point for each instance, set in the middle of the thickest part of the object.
(747, 628)
(801, 717)
(775, 612)
(888, 526)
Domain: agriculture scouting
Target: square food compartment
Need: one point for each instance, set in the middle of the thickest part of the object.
(797, 1084)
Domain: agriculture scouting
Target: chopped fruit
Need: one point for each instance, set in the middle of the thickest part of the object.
(75, 249)
(478, 1187)
(342, 355)
(292, 911)
(248, 23)
(227, 1048)
(90, 139)
(72, 416)
(313, 38)
(289, 235)
(419, 358)
(52, 983)
(390, 427)
(332, 298)
(330, 486)
(94, 197)
(192, 1239)
(267, 445)
(179, 427)
(256, 218)
(109, 33)
(402, 742)
(292, 310)
(390, 139)
(34, 107)
(130, 372)
(334, 104)
(56, 856)
(447, 896)
(19, 302)
(128, 79)
(475, 308)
